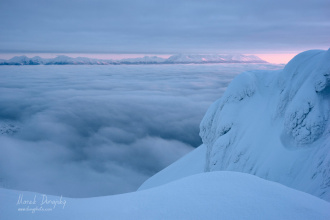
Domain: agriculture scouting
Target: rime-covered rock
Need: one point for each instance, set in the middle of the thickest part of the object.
(275, 124)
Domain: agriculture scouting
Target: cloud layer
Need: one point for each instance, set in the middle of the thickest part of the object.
(84, 131)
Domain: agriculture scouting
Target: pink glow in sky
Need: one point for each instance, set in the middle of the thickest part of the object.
(281, 58)
(277, 58)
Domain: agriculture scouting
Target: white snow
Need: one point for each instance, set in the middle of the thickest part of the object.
(192, 163)
(214, 195)
(275, 124)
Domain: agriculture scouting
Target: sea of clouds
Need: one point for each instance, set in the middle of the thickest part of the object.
(82, 131)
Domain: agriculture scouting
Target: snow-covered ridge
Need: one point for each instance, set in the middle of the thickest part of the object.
(175, 59)
(275, 124)
(214, 195)
(272, 124)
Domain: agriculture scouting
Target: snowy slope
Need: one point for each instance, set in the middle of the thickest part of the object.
(190, 164)
(215, 195)
(275, 124)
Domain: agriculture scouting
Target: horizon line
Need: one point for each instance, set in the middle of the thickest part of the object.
(276, 58)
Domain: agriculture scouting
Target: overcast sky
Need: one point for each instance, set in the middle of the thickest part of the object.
(152, 26)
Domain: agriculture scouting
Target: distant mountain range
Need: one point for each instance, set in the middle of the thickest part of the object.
(175, 59)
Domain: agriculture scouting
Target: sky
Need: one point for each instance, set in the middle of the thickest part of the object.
(164, 27)
(82, 131)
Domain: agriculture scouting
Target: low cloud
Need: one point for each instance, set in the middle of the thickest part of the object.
(84, 131)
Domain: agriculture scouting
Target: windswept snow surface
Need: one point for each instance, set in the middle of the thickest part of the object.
(214, 195)
(275, 124)
(190, 164)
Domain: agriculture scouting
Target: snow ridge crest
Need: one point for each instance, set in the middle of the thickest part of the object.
(275, 124)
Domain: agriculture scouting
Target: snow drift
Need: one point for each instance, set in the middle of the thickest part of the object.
(215, 195)
(275, 124)
(190, 164)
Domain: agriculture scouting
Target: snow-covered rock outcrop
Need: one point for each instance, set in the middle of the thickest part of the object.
(275, 124)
